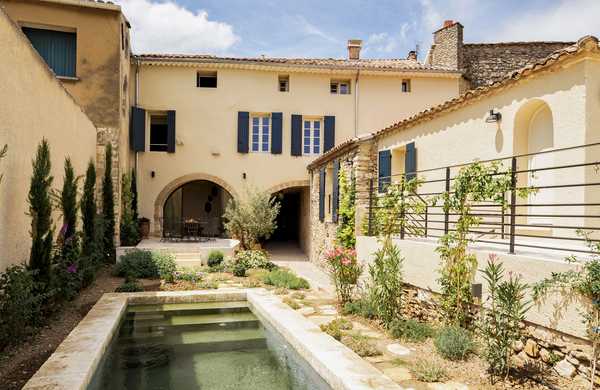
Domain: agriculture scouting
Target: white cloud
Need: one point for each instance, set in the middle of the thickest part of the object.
(167, 27)
(308, 28)
(568, 20)
(384, 43)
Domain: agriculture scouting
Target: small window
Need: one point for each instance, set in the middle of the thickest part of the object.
(57, 48)
(207, 80)
(405, 85)
(340, 87)
(158, 133)
(311, 140)
(261, 133)
(284, 83)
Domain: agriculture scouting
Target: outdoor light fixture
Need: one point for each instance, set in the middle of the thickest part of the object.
(152, 174)
(244, 175)
(494, 117)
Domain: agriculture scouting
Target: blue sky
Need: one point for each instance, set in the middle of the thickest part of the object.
(312, 28)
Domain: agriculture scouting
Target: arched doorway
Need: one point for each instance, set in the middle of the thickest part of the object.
(195, 209)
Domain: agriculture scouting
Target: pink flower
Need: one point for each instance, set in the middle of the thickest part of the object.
(72, 268)
(346, 262)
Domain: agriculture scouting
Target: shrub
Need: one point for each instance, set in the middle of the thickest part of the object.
(285, 278)
(67, 274)
(429, 371)
(108, 207)
(239, 270)
(345, 232)
(335, 327)
(386, 288)
(215, 258)
(146, 264)
(20, 303)
(344, 270)
(188, 275)
(291, 303)
(251, 218)
(454, 343)
(410, 330)
(360, 307)
(88, 211)
(130, 286)
(360, 345)
(253, 259)
(129, 229)
(165, 265)
(217, 268)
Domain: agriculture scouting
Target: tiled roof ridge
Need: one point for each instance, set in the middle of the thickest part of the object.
(523, 43)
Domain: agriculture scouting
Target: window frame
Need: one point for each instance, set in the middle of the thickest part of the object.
(58, 29)
(311, 137)
(335, 87)
(207, 74)
(261, 117)
(162, 115)
(286, 79)
(405, 86)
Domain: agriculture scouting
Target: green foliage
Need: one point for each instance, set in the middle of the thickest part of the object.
(454, 343)
(189, 275)
(108, 207)
(132, 285)
(67, 276)
(285, 278)
(360, 345)
(411, 330)
(253, 259)
(582, 284)
(345, 234)
(129, 230)
(426, 370)
(239, 269)
(68, 201)
(501, 316)
(88, 211)
(146, 264)
(215, 258)
(336, 327)
(251, 218)
(344, 270)
(386, 286)
(360, 307)
(40, 210)
(290, 302)
(21, 304)
(474, 183)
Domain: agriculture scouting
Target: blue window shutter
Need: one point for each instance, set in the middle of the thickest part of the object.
(296, 135)
(57, 48)
(329, 140)
(385, 169)
(137, 129)
(335, 193)
(276, 132)
(171, 135)
(243, 131)
(410, 161)
(322, 194)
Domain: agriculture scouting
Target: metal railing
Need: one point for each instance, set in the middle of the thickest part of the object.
(187, 229)
(563, 199)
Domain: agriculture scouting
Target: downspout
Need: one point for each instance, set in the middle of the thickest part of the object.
(135, 100)
(356, 101)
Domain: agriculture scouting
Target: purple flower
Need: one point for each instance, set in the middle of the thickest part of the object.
(72, 268)
(63, 229)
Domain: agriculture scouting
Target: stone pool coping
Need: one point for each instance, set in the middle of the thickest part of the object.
(73, 364)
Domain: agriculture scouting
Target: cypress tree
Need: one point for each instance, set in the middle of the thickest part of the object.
(40, 210)
(88, 210)
(128, 230)
(68, 201)
(108, 207)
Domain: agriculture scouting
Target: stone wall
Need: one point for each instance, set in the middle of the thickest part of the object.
(446, 50)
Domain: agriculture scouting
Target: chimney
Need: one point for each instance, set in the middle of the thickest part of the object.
(354, 46)
(447, 48)
(412, 55)
(448, 23)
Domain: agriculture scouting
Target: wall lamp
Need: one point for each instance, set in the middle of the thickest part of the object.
(493, 117)
(152, 174)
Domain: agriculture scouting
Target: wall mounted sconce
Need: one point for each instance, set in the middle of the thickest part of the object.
(152, 174)
(493, 117)
(244, 175)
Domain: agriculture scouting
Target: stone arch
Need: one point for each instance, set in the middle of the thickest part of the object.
(288, 184)
(162, 197)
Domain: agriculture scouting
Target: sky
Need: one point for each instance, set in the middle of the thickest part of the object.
(321, 28)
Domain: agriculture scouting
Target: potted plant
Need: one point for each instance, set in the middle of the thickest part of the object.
(144, 224)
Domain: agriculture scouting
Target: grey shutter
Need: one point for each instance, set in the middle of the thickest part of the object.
(243, 132)
(335, 193)
(329, 141)
(57, 48)
(276, 132)
(385, 169)
(322, 194)
(296, 135)
(137, 129)
(410, 161)
(171, 135)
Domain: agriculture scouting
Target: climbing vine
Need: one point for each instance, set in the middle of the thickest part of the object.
(345, 232)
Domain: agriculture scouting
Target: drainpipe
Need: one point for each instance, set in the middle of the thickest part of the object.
(356, 101)
(135, 100)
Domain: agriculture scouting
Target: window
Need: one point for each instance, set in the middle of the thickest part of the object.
(158, 133)
(57, 48)
(312, 137)
(338, 87)
(405, 85)
(261, 133)
(284, 83)
(207, 80)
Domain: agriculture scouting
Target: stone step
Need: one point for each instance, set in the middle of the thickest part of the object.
(195, 336)
(178, 323)
(182, 308)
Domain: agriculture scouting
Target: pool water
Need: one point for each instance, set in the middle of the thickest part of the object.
(208, 346)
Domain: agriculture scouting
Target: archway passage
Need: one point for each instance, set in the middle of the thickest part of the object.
(195, 209)
(291, 237)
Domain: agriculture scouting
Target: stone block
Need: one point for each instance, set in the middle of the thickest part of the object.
(532, 349)
(565, 369)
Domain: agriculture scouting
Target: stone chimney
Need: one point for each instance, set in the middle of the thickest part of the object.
(447, 47)
(354, 46)
(412, 55)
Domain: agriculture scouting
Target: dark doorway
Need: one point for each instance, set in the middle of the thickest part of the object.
(288, 220)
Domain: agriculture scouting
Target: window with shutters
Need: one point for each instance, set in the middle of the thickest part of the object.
(312, 131)
(284, 83)
(206, 79)
(339, 87)
(57, 48)
(158, 133)
(406, 85)
(260, 133)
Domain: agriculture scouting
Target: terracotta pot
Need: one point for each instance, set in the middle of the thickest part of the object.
(144, 227)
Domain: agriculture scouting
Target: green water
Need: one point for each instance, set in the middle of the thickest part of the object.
(208, 346)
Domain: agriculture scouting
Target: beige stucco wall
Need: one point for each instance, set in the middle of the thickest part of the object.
(33, 105)
(207, 120)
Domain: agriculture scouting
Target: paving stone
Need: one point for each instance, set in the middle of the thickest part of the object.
(398, 350)
(397, 374)
(376, 359)
(319, 320)
(306, 310)
(328, 310)
(448, 386)
(565, 369)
